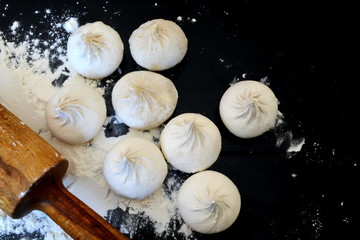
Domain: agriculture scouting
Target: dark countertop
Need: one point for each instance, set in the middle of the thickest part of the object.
(300, 49)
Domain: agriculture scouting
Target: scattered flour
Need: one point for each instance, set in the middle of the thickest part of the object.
(181, 19)
(14, 26)
(71, 25)
(296, 145)
(31, 223)
(285, 138)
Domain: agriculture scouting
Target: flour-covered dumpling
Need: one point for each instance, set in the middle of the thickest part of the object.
(75, 114)
(158, 44)
(209, 202)
(95, 50)
(248, 109)
(143, 99)
(190, 142)
(134, 168)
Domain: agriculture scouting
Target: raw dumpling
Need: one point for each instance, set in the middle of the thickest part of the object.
(191, 142)
(75, 114)
(248, 109)
(144, 99)
(134, 168)
(158, 44)
(95, 50)
(209, 202)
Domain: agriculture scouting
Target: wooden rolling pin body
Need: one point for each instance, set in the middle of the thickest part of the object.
(31, 173)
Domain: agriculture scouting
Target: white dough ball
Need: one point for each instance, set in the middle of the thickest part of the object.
(248, 108)
(190, 142)
(75, 114)
(134, 168)
(158, 44)
(95, 50)
(209, 202)
(143, 99)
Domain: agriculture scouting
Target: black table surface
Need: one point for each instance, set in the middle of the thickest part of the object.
(299, 48)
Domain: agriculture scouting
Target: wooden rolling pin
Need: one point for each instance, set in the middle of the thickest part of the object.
(31, 173)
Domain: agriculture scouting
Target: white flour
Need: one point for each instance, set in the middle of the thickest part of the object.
(285, 138)
(28, 79)
(31, 223)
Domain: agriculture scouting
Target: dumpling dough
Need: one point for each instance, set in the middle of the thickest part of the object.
(191, 142)
(209, 202)
(75, 114)
(158, 44)
(95, 50)
(134, 168)
(143, 99)
(248, 109)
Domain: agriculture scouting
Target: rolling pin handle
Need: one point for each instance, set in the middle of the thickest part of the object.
(71, 214)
